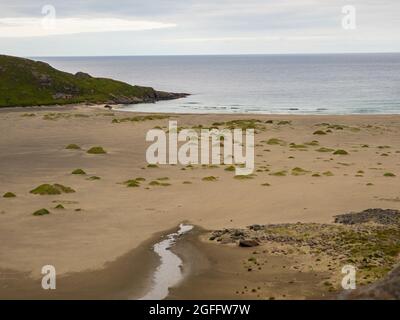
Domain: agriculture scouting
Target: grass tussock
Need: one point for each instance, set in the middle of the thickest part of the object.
(298, 146)
(276, 141)
(140, 118)
(323, 149)
(96, 150)
(230, 168)
(78, 171)
(299, 171)
(341, 152)
(41, 212)
(281, 173)
(389, 174)
(93, 178)
(159, 184)
(244, 177)
(51, 189)
(9, 195)
(73, 146)
(210, 178)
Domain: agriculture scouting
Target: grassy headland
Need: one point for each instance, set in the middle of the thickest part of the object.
(25, 82)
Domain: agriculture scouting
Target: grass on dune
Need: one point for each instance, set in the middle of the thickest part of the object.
(49, 189)
(96, 150)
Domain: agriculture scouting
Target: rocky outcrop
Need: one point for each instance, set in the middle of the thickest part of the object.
(380, 216)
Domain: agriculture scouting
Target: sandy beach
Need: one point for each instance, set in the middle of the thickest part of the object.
(108, 227)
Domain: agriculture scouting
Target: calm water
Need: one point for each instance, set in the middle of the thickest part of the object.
(312, 84)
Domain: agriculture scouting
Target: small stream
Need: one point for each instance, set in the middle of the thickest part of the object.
(169, 271)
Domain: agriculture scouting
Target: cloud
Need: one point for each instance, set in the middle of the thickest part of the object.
(48, 26)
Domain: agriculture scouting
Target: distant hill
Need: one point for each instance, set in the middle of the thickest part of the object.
(25, 82)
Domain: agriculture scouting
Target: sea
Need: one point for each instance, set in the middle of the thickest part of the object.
(256, 84)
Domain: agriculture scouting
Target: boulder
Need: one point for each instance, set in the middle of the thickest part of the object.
(248, 243)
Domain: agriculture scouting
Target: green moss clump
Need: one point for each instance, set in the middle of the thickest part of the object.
(266, 184)
(244, 177)
(341, 152)
(163, 178)
(284, 122)
(323, 149)
(158, 183)
(59, 206)
(245, 124)
(63, 189)
(133, 184)
(78, 171)
(9, 195)
(328, 174)
(96, 150)
(152, 166)
(92, 178)
(73, 146)
(41, 212)
(276, 141)
(319, 132)
(210, 178)
(299, 171)
(312, 143)
(230, 168)
(48, 189)
(281, 173)
(141, 118)
(389, 174)
(297, 146)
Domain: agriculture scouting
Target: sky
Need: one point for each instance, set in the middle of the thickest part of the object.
(179, 27)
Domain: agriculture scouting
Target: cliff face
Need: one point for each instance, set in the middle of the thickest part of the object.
(25, 82)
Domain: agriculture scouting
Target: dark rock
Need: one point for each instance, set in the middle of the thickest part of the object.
(248, 243)
(83, 75)
(380, 216)
(256, 227)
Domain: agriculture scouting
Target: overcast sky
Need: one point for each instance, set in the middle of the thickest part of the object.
(159, 27)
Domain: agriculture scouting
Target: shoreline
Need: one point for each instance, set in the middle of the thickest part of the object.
(83, 106)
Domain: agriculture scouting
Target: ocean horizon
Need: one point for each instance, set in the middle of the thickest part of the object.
(345, 83)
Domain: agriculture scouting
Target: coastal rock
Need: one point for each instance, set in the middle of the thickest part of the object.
(83, 75)
(380, 216)
(248, 243)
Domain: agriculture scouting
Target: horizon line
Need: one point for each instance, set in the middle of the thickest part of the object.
(209, 54)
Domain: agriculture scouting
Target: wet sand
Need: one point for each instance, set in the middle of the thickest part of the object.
(105, 220)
